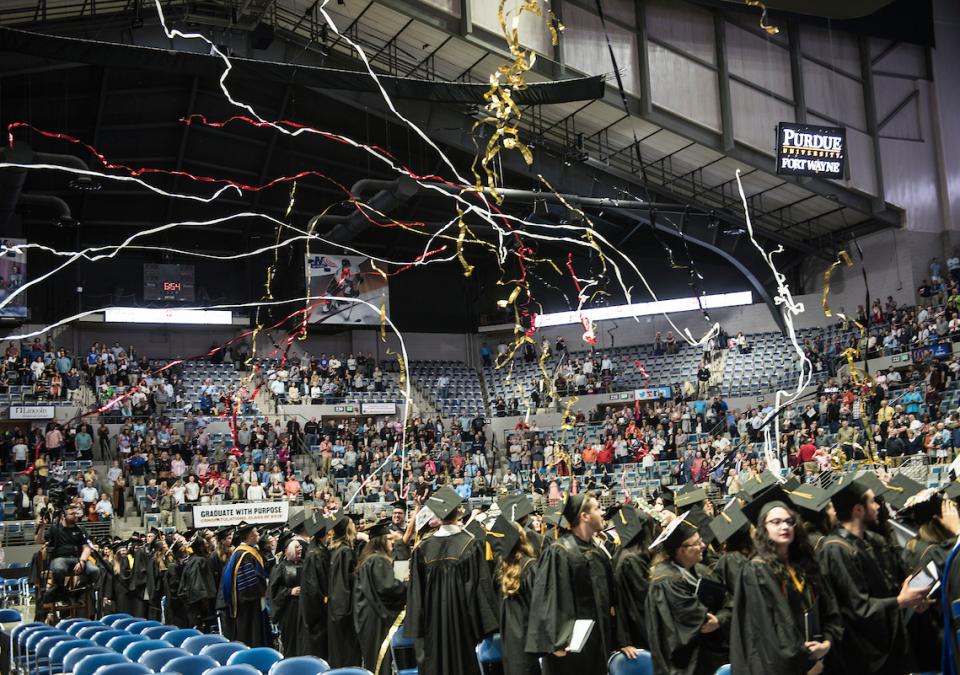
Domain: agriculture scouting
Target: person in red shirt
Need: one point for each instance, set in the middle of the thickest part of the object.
(807, 451)
(605, 456)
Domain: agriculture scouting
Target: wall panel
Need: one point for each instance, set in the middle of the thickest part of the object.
(683, 26)
(534, 33)
(758, 61)
(585, 47)
(684, 87)
(755, 117)
(834, 95)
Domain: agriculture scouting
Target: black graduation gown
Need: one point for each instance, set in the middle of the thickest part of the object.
(514, 619)
(343, 647)
(631, 577)
(926, 630)
(674, 618)
(536, 540)
(286, 607)
(313, 595)
(401, 551)
(450, 602)
(176, 607)
(767, 631)
(377, 601)
(154, 589)
(728, 567)
(874, 635)
(129, 601)
(199, 589)
(574, 581)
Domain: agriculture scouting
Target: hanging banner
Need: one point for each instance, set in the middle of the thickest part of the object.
(804, 150)
(941, 350)
(258, 513)
(651, 394)
(351, 277)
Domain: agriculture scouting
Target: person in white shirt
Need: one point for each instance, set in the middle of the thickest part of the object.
(89, 494)
(191, 490)
(587, 367)
(255, 492)
(276, 387)
(104, 507)
(606, 364)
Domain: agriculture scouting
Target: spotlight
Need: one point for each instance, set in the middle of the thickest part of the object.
(84, 184)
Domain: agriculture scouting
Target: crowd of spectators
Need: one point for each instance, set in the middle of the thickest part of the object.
(312, 379)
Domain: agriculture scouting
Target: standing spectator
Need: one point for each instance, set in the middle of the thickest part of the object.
(53, 440)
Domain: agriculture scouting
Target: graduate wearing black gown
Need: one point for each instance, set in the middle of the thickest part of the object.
(284, 596)
(732, 532)
(780, 596)
(875, 636)
(343, 645)
(450, 603)
(516, 572)
(173, 583)
(574, 580)
(631, 575)
(242, 589)
(198, 586)
(687, 637)
(378, 598)
(313, 589)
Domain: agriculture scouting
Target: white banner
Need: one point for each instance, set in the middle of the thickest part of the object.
(31, 412)
(218, 515)
(378, 408)
(346, 276)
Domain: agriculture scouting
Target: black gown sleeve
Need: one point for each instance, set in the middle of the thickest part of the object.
(674, 619)
(552, 611)
(279, 593)
(632, 582)
(342, 562)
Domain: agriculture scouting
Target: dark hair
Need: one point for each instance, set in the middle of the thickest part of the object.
(844, 507)
(375, 546)
(800, 553)
(741, 542)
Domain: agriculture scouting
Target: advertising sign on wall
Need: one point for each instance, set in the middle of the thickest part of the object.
(804, 150)
(258, 513)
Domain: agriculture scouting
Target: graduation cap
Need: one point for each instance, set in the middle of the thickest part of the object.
(242, 530)
(922, 507)
(475, 528)
(503, 536)
(338, 524)
(690, 497)
(516, 508)
(379, 528)
(297, 521)
(572, 506)
(424, 516)
(901, 487)
(285, 540)
(611, 511)
(698, 517)
(316, 525)
(628, 523)
(847, 492)
(952, 490)
(754, 485)
(444, 501)
(809, 498)
(155, 531)
(553, 516)
(758, 507)
(674, 534)
(223, 532)
(870, 481)
(791, 483)
(728, 523)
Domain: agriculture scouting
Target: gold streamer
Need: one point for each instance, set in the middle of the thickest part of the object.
(385, 645)
(771, 29)
(842, 257)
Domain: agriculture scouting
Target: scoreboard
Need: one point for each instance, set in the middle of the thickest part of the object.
(169, 282)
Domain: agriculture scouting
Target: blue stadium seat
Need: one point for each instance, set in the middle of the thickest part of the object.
(125, 623)
(350, 670)
(196, 643)
(489, 651)
(75, 628)
(103, 637)
(401, 641)
(75, 656)
(222, 652)
(261, 658)
(87, 632)
(621, 665)
(242, 669)
(723, 670)
(300, 665)
(123, 669)
(140, 626)
(121, 642)
(177, 637)
(90, 664)
(156, 658)
(59, 653)
(137, 649)
(189, 665)
(10, 615)
(66, 623)
(157, 632)
(110, 618)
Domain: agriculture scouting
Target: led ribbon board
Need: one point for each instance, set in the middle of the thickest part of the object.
(804, 150)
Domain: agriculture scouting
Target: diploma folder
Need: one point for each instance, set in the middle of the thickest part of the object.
(711, 594)
(581, 633)
(811, 625)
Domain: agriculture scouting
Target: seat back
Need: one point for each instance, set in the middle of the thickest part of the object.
(66, 623)
(189, 665)
(103, 637)
(723, 670)
(60, 651)
(124, 640)
(140, 626)
(46, 645)
(10, 615)
(110, 618)
(222, 652)
(197, 642)
(138, 649)
(87, 632)
(621, 665)
(300, 665)
(156, 658)
(34, 638)
(90, 664)
(350, 670)
(124, 669)
(75, 628)
(75, 656)
(177, 637)
(261, 658)
(401, 641)
(157, 632)
(489, 650)
(240, 669)
(125, 623)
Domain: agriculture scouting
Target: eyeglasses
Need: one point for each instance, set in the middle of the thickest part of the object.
(695, 544)
(777, 522)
